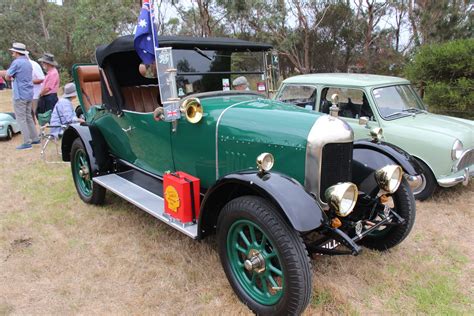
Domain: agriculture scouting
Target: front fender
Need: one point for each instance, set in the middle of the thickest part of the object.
(94, 143)
(369, 156)
(298, 206)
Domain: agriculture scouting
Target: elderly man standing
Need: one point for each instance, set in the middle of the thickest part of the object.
(21, 72)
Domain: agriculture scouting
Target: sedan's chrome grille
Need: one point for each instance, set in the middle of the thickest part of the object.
(466, 160)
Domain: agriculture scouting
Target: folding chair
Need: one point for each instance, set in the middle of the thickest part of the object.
(48, 138)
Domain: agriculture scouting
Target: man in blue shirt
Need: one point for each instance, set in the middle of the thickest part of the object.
(21, 72)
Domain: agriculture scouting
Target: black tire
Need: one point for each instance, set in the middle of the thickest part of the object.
(88, 191)
(404, 205)
(9, 133)
(291, 256)
(429, 183)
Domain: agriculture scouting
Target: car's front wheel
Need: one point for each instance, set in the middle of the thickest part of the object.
(428, 183)
(264, 259)
(88, 191)
(9, 133)
(403, 203)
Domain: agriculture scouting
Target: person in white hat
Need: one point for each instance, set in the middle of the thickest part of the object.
(20, 71)
(240, 83)
(63, 112)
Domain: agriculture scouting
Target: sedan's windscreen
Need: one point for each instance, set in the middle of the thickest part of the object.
(397, 101)
(209, 70)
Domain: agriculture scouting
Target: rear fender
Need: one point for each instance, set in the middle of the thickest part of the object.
(94, 143)
(369, 156)
(296, 205)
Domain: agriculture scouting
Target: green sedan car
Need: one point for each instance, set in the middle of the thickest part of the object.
(443, 145)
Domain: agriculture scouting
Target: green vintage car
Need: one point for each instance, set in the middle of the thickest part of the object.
(443, 145)
(273, 181)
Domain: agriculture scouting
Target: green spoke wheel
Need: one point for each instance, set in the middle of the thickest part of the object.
(81, 172)
(264, 258)
(246, 242)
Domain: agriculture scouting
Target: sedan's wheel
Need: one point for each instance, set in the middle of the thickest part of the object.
(264, 259)
(9, 133)
(428, 184)
(88, 191)
(386, 237)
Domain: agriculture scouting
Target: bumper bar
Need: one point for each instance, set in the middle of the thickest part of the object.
(451, 181)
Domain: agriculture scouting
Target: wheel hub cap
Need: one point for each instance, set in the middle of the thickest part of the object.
(255, 262)
(84, 173)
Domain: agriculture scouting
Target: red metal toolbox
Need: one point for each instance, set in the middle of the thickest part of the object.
(181, 194)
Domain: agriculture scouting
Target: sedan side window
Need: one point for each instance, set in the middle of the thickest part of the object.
(299, 95)
(353, 103)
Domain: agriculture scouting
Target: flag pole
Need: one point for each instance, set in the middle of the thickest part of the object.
(152, 8)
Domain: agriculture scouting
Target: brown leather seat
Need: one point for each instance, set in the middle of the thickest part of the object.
(141, 98)
(89, 80)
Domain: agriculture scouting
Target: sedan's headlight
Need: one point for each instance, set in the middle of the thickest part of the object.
(342, 197)
(389, 178)
(456, 152)
(1, 126)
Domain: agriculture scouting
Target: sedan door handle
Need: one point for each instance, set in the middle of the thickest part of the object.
(126, 130)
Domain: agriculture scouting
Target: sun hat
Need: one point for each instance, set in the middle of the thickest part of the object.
(49, 59)
(69, 90)
(240, 81)
(19, 48)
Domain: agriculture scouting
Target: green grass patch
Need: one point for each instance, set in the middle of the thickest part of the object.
(434, 293)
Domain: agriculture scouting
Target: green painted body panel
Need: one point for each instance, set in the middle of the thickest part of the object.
(248, 126)
(194, 145)
(427, 136)
(250, 129)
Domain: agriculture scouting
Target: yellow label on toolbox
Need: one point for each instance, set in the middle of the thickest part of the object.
(172, 198)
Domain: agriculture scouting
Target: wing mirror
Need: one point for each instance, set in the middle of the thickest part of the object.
(334, 109)
(364, 121)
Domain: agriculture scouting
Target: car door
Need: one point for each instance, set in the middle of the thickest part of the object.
(149, 141)
(353, 104)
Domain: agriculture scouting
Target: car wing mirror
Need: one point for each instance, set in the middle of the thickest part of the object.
(364, 121)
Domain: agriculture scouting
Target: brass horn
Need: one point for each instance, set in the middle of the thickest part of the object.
(192, 108)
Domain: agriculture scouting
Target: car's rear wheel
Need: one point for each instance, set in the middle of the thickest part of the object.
(88, 191)
(264, 259)
(386, 237)
(9, 133)
(428, 184)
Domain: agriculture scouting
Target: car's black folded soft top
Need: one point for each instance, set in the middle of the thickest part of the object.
(125, 44)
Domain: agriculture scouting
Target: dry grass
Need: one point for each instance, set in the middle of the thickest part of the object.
(61, 256)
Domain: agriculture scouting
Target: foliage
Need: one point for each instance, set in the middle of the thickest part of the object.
(446, 71)
(309, 35)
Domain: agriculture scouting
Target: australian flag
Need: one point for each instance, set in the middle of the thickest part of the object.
(145, 33)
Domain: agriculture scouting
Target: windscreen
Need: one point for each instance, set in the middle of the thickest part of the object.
(397, 101)
(211, 70)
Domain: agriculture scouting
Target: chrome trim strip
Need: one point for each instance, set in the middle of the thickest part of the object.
(135, 112)
(217, 134)
(326, 129)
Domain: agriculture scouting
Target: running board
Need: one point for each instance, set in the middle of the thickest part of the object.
(144, 199)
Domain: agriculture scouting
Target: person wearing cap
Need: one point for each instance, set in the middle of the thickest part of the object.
(21, 71)
(63, 112)
(240, 83)
(48, 94)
